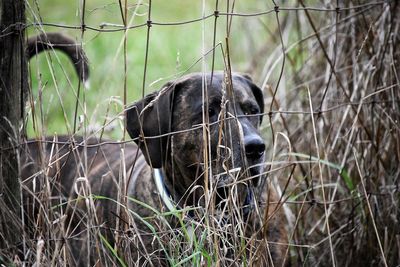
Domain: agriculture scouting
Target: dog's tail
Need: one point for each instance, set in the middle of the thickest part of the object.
(54, 40)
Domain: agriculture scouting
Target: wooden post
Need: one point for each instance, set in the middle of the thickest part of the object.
(13, 84)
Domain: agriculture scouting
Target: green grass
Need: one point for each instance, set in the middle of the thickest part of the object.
(172, 51)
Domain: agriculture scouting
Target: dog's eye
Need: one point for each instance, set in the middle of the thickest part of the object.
(251, 111)
(212, 113)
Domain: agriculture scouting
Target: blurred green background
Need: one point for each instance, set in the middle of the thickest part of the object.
(172, 51)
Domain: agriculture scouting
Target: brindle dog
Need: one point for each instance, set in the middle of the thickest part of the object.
(197, 145)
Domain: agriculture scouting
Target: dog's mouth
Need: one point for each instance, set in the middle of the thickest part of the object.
(252, 171)
(245, 180)
(251, 175)
(236, 185)
(256, 174)
(228, 176)
(230, 188)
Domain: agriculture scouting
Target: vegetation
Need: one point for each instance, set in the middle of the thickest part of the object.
(332, 107)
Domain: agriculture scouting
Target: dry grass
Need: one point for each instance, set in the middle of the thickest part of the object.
(335, 118)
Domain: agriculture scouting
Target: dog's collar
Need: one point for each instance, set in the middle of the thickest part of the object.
(165, 195)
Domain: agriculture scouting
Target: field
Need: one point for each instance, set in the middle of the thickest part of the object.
(172, 52)
(330, 77)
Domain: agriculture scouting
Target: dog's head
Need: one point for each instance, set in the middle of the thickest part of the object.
(199, 113)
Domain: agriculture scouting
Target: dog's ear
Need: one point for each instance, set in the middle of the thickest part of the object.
(257, 92)
(148, 121)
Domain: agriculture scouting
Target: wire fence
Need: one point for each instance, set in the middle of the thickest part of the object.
(330, 78)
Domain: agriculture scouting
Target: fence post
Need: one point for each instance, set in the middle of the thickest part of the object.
(13, 84)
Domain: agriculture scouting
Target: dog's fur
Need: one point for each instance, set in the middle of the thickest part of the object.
(173, 128)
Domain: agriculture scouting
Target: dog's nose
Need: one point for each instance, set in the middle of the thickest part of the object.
(254, 147)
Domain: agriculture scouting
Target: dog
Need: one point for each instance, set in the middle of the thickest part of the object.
(197, 159)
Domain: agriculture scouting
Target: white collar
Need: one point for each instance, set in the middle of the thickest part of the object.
(158, 175)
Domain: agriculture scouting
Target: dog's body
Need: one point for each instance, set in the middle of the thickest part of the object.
(54, 167)
(201, 131)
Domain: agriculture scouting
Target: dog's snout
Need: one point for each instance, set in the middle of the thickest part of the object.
(254, 147)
